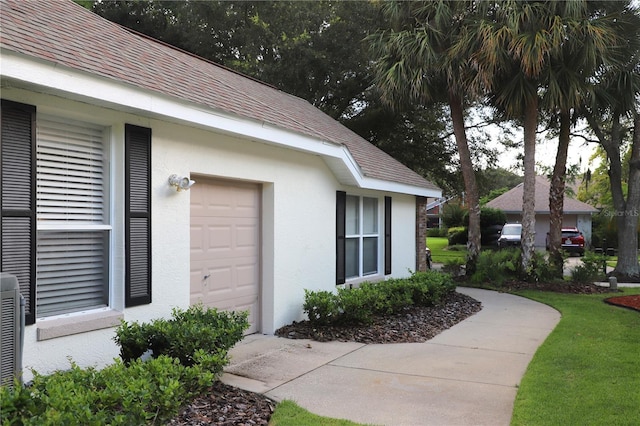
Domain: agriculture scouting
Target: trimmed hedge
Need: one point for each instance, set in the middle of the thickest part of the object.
(359, 305)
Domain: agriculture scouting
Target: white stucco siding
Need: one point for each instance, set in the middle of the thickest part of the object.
(298, 210)
(298, 192)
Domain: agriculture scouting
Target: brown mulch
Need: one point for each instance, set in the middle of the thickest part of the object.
(631, 302)
(227, 405)
(414, 324)
(557, 287)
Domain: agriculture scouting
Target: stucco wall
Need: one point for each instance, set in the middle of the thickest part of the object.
(298, 225)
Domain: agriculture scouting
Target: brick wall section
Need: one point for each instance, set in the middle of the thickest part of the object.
(421, 233)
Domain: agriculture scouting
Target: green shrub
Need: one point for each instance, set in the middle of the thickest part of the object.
(359, 305)
(457, 235)
(453, 215)
(453, 266)
(150, 392)
(390, 296)
(356, 306)
(430, 287)
(590, 270)
(321, 307)
(488, 217)
(437, 232)
(540, 270)
(496, 267)
(188, 331)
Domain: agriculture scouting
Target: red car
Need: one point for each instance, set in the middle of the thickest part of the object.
(572, 241)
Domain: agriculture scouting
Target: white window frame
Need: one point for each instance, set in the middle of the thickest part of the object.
(361, 235)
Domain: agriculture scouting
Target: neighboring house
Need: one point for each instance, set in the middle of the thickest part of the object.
(576, 213)
(96, 118)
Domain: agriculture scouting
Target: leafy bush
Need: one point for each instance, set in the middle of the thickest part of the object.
(590, 270)
(453, 215)
(359, 305)
(453, 266)
(488, 217)
(437, 232)
(188, 353)
(212, 331)
(457, 235)
(496, 267)
(540, 270)
(321, 307)
(430, 287)
(150, 392)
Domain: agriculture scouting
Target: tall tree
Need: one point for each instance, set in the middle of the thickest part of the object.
(415, 62)
(590, 39)
(614, 102)
(511, 43)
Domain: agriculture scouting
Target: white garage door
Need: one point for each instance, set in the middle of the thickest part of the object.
(225, 246)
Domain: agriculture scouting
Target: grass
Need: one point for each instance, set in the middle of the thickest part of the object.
(441, 253)
(586, 372)
(288, 413)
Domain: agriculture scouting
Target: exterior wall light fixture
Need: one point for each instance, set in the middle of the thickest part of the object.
(181, 183)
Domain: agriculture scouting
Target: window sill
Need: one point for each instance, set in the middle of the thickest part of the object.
(78, 324)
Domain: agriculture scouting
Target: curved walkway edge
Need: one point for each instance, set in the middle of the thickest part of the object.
(467, 375)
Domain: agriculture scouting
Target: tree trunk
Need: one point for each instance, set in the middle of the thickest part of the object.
(529, 185)
(627, 266)
(469, 177)
(556, 196)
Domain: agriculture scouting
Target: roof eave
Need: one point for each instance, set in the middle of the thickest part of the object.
(27, 72)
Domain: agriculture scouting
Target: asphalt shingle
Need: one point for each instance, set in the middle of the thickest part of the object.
(67, 34)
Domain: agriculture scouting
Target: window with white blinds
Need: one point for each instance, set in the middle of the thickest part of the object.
(72, 214)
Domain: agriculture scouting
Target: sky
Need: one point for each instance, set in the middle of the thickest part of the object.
(546, 149)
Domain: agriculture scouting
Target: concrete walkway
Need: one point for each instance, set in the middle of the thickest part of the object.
(467, 375)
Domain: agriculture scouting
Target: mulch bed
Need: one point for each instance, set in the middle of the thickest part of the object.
(557, 287)
(631, 302)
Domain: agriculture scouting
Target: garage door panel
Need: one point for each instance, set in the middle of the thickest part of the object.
(246, 275)
(225, 246)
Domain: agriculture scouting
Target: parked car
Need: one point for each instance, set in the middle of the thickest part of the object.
(572, 241)
(510, 236)
(490, 235)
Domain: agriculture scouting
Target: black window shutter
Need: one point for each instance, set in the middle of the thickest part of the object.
(18, 192)
(341, 212)
(387, 235)
(137, 215)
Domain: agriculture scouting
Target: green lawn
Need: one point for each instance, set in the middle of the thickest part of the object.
(441, 253)
(587, 372)
(288, 413)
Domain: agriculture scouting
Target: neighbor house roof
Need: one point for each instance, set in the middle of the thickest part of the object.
(67, 36)
(511, 201)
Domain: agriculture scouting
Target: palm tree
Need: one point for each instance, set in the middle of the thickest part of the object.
(590, 40)
(510, 46)
(614, 101)
(415, 62)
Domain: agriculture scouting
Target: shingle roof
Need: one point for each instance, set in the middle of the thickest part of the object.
(65, 33)
(511, 201)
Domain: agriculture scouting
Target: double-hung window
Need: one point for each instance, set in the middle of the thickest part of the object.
(72, 212)
(362, 236)
(57, 227)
